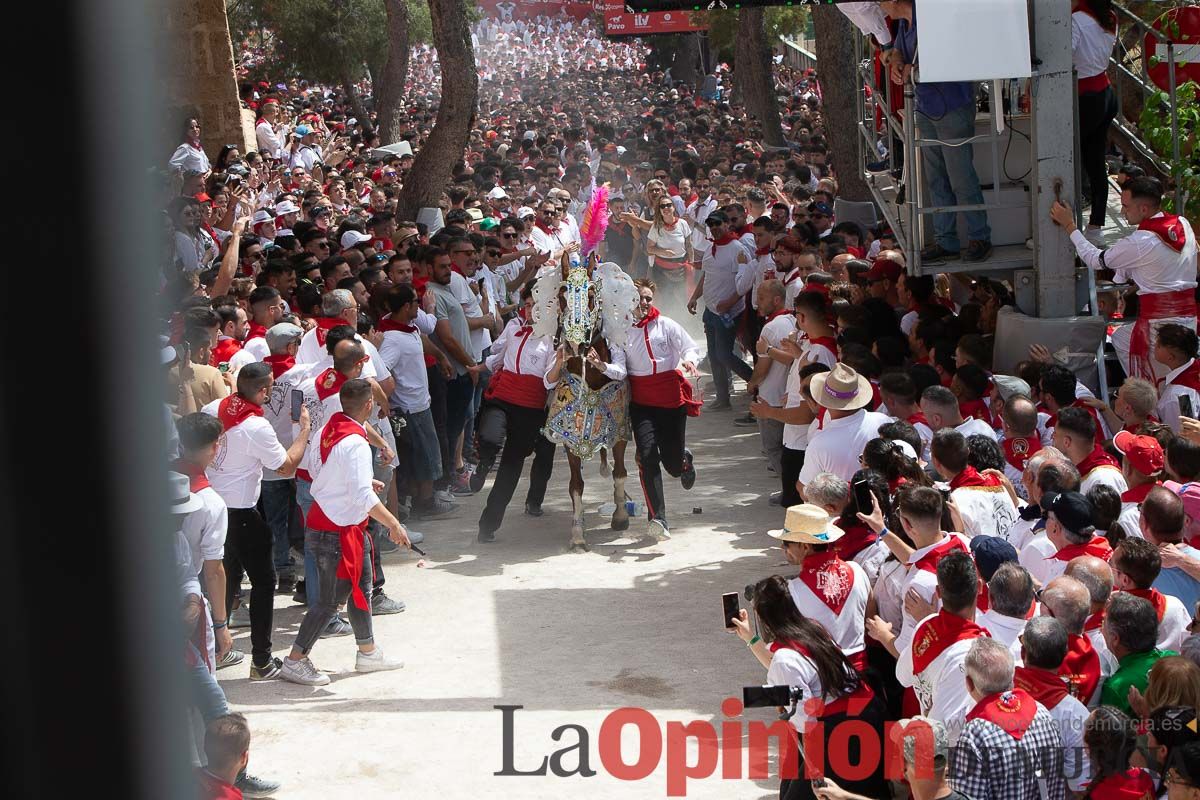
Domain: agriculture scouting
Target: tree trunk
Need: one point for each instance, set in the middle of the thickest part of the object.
(684, 67)
(434, 162)
(753, 75)
(356, 103)
(834, 34)
(390, 95)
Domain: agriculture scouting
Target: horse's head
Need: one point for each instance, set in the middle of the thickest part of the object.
(578, 305)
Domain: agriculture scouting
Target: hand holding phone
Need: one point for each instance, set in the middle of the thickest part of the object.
(1185, 406)
(297, 404)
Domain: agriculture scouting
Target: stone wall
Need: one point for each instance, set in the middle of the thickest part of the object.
(198, 75)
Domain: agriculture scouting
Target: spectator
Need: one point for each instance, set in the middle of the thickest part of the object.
(1069, 528)
(941, 409)
(1110, 737)
(982, 502)
(848, 426)
(1142, 464)
(227, 748)
(1130, 631)
(724, 279)
(1162, 524)
(1135, 565)
(1097, 576)
(1010, 600)
(1083, 668)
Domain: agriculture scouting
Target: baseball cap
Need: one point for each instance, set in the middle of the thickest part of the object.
(882, 269)
(496, 193)
(1071, 509)
(489, 224)
(303, 130)
(1009, 385)
(990, 552)
(1189, 493)
(821, 208)
(286, 207)
(645, 165)
(715, 217)
(351, 238)
(525, 211)
(1145, 454)
(528, 136)
(202, 198)
(281, 334)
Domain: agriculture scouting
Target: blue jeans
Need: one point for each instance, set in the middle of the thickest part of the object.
(721, 340)
(305, 499)
(459, 392)
(950, 178)
(328, 591)
(277, 509)
(207, 695)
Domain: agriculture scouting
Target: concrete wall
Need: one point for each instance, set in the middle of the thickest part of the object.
(198, 75)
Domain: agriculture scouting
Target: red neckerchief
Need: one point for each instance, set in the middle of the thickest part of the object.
(1132, 784)
(1053, 421)
(651, 315)
(913, 419)
(235, 409)
(1043, 685)
(1094, 622)
(214, 788)
(793, 275)
(1013, 711)
(1135, 427)
(196, 477)
(939, 632)
(929, 561)
(1168, 228)
(1097, 547)
(521, 332)
(975, 409)
(747, 228)
(324, 326)
(546, 229)
(828, 342)
(1094, 459)
(388, 324)
(762, 251)
(280, 364)
(1189, 378)
(329, 382)
(1081, 668)
(1019, 450)
(983, 601)
(1138, 493)
(858, 538)
(1156, 598)
(225, 350)
(829, 578)
(256, 331)
(339, 427)
(721, 241)
(969, 477)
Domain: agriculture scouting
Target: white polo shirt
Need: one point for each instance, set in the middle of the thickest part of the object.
(837, 445)
(242, 453)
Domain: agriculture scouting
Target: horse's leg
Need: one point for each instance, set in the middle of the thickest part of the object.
(578, 544)
(604, 470)
(620, 517)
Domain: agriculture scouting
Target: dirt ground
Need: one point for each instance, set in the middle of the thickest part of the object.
(522, 622)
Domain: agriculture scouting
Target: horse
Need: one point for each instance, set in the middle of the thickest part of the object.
(589, 412)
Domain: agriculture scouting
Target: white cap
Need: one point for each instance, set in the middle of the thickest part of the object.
(351, 238)
(525, 211)
(496, 193)
(286, 207)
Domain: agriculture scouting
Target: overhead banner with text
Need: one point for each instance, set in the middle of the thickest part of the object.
(617, 22)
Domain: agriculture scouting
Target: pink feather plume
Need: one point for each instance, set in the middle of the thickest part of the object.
(595, 220)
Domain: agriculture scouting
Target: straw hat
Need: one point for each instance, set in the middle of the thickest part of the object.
(840, 389)
(807, 524)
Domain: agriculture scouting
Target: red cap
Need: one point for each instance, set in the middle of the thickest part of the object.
(202, 198)
(884, 268)
(1145, 454)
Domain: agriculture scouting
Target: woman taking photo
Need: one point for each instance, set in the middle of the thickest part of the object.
(802, 655)
(1110, 738)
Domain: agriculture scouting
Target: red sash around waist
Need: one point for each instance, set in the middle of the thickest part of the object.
(527, 391)
(664, 390)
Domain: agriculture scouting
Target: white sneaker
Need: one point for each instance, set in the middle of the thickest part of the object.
(444, 495)
(1095, 236)
(302, 672)
(658, 530)
(375, 661)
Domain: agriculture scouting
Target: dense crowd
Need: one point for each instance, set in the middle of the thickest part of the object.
(1007, 558)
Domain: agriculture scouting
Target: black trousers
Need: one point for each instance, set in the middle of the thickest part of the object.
(847, 753)
(437, 407)
(790, 463)
(248, 550)
(658, 434)
(518, 431)
(1097, 110)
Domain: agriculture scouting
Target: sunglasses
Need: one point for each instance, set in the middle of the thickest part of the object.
(667, 206)
(508, 236)
(549, 213)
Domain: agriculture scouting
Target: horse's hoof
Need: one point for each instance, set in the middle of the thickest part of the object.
(579, 547)
(605, 470)
(620, 522)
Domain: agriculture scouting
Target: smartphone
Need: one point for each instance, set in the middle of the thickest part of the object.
(297, 404)
(729, 603)
(766, 696)
(223, 367)
(818, 783)
(863, 496)
(1185, 406)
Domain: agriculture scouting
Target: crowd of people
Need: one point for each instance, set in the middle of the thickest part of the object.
(1007, 558)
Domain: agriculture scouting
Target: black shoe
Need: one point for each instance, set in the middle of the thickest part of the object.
(479, 476)
(266, 672)
(300, 596)
(534, 511)
(687, 477)
(252, 786)
(286, 584)
(879, 166)
(936, 253)
(977, 250)
(486, 537)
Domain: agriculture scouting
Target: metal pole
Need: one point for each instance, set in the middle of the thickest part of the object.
(1175, 164)
(914, 231)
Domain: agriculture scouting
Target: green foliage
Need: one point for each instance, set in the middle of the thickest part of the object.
(779, 21)
(1155, 128)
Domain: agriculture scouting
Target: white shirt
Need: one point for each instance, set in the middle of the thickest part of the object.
(278, 409)
(764, 270)
(790, 668)
(836, 446)
(985, 511)
(1004, 629)
(1143, 258)
(1169, 394)
(1091, 45)
(1105, 474)
(773, 389)
(721, 272)
(256, 348)
(305, 156)
(973, 426)
(313, 352)
(522, 355)
(659, 346)
(481, 338)
(205, 528)
(403, 354)
(673, 239)
(242, 453)
(924, 582)
(1037, 556)
(942, 686)
(795, 437)
(552, 243)
(268, 140)
(1069, 717)
(342, 485)
(1173, 627)
(889, 592)
(191, 158)
(697, 212)
(869, 19)
(847, 629)
(871, 559)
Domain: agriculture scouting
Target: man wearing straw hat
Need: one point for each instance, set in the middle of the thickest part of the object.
(828, 590)
(843, 428)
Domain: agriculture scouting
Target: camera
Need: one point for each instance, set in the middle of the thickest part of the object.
(770, 696)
